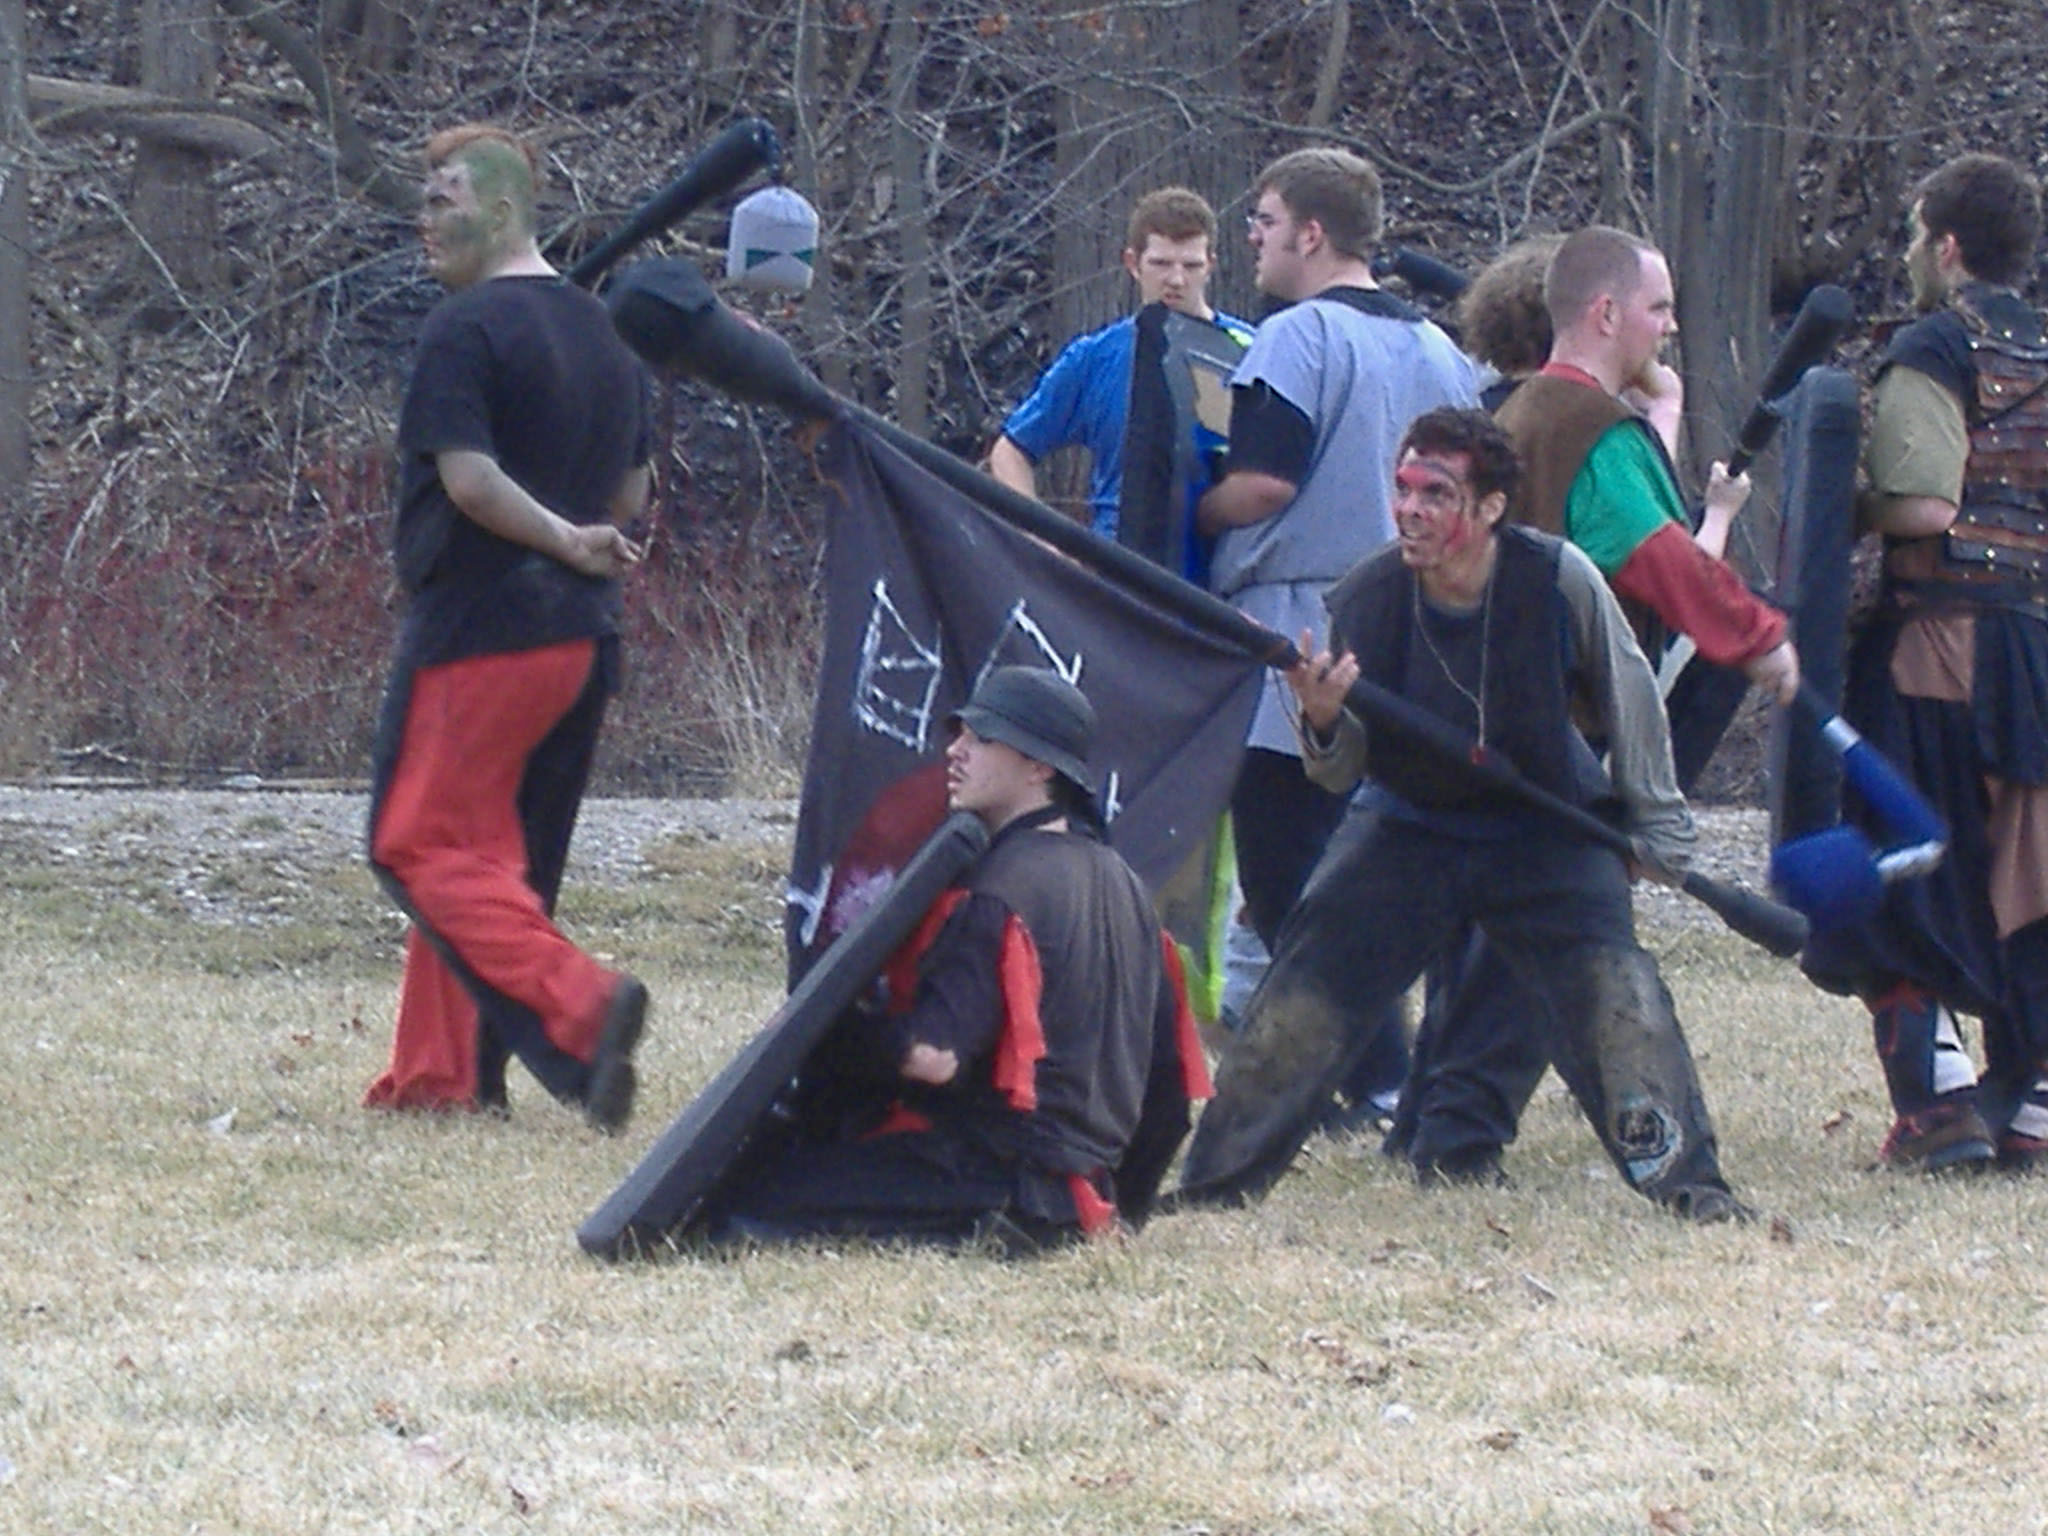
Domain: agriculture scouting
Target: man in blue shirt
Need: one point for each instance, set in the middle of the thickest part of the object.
(1083, 399)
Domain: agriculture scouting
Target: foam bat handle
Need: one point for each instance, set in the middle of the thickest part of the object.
(1815, 330)
(1776, 927)
(1900, 809)
(745, 147)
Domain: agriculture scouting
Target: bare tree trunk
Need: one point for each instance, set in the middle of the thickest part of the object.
(15, 383)
(1717, 112)
(1330, 68)
(914, 241)
(1142, 106)
(376, 34)
(174, 206)
(821, 303)
(127, 66)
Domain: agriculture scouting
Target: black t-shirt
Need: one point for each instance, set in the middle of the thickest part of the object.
(529, 371)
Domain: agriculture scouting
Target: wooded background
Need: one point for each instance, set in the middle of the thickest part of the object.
(209, 280)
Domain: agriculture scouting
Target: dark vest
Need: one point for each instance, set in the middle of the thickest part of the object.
(1097, 940)
(1527, 688)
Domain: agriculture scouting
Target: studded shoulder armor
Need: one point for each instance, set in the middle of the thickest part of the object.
(2000, 535)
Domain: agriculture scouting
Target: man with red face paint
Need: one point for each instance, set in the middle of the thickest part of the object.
(1596, 428)
(524, 442)
(1497, 631)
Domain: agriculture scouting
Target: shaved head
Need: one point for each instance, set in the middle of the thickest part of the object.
(1597, 262)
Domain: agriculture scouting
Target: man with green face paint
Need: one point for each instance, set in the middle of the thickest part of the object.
(524, 443)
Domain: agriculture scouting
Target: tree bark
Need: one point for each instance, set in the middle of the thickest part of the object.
(81, 106)
(15, 381)
(174, 207)
(914, 241)
(1717, 113)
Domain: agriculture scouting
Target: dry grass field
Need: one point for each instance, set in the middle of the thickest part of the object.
(233, 1301)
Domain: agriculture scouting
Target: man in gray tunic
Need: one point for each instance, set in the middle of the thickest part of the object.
(1317, 406)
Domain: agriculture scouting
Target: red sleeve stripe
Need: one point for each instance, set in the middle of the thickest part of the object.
(899, 972)
(1021, 1045)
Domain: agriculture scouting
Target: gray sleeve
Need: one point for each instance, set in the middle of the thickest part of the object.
(1616, 679)
(1336, 764)
(1286, 355)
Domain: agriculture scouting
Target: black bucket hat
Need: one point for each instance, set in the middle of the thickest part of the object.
(1037, 712)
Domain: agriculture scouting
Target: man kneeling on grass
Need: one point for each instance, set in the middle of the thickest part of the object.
(1032, 1080)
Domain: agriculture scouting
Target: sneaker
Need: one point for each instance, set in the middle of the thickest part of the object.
(1947, 1135)
(2021, 1153)
(1474, 1167)
(1706, 1205)
(2023, 1144)
(608, 1101)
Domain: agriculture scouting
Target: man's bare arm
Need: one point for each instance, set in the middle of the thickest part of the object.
(1909, 517)
(1241, 498)
(1009, 464)
(492, 499)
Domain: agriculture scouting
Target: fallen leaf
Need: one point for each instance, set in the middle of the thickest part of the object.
(1672, 1521)
(1537, 1288)
(796, 1351)
(1501, 1439)
(1495, 1224)
(1835, 1122)
(221, 1124)
(428, 1451)
(302, 1037)
(1781, 1230)
(522, 1501)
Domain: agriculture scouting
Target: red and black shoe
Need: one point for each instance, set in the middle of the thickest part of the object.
(2023, 1144)
(1947, 1136)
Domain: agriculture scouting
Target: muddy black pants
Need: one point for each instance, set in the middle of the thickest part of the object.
(1388, 897)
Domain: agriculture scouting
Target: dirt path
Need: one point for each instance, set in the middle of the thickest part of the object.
(182, 837)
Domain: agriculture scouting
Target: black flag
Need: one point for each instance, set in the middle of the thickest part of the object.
(927, 587)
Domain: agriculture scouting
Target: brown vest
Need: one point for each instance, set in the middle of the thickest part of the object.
(1555, 423)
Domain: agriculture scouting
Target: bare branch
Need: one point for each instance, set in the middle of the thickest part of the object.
(355, 157)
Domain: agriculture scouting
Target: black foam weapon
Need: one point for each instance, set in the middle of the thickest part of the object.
(1815, 330)
(743, 148)
(668, 314)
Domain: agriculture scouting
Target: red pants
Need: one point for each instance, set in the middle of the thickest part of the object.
(470, 830)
